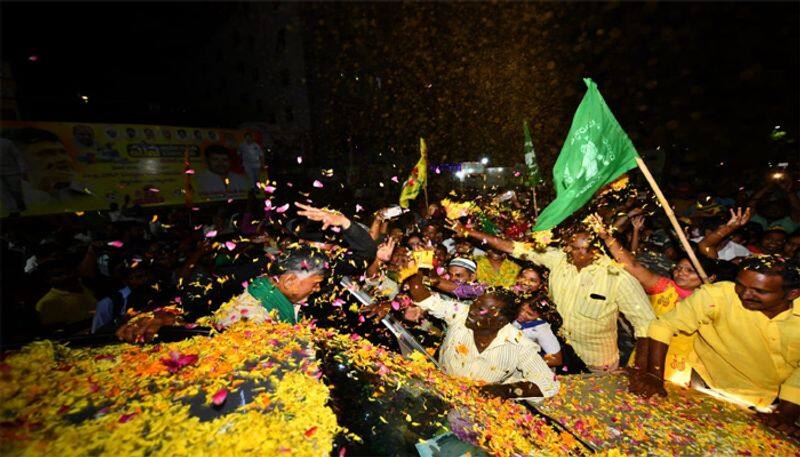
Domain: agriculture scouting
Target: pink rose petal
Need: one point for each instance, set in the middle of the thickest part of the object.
(338, 302)
(437, 171)
(282, 209)
(269, 189)
(359, 208)
(219, 397)
(211, 234)
(394, 178)
(116, 244)
(189, 171)
(361, 318)
(317, 184)
(299, 159)
(126, 417)
(230, 245)
(395, 305)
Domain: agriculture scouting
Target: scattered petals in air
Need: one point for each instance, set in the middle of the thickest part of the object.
(116, 244)
(211, 234)
(317, 184)
(282, 209)
(230, 245)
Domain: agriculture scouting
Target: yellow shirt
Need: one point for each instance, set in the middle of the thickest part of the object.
(590, 300)
(738, 351)
(506, 276)
(65, 307)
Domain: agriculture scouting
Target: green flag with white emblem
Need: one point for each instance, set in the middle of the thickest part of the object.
(596, 152)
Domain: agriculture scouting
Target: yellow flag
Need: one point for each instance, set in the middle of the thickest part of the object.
(418, 177)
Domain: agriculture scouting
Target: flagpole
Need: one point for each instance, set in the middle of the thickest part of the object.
(671, 216)
(535, 203)
(425, 193)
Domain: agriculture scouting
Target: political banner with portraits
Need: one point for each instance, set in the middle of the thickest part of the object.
(55, 167)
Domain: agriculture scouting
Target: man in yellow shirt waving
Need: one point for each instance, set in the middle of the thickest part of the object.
(748, 340)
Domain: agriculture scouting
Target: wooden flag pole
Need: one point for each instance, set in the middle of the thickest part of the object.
(671, 216)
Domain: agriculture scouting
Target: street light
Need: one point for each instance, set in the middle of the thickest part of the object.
(485, 160)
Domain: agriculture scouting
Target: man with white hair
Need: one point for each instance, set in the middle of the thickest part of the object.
(277, 297)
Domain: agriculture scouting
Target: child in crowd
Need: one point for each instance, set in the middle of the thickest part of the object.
(538, 318)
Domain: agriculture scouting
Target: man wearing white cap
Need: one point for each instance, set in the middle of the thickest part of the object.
(460, 280)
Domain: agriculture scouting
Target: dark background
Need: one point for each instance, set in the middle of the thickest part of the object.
(709, 80)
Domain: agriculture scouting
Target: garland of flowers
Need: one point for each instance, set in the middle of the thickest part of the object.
(128, 400)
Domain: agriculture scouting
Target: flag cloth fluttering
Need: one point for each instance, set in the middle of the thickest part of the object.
(418, 177)
(596, 152)
(534, 176)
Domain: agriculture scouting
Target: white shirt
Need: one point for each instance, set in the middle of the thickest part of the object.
(733, 250)
(542, 335)
(509, 358)
(251, 154)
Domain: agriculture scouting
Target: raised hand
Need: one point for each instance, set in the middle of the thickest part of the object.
(637, 222)
(596, 224)
(329, 218)
(386, 249)
(739, 218)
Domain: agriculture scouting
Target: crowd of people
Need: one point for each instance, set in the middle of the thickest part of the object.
(610, 289)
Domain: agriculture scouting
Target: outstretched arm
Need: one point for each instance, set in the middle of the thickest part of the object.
(501, 244)
(709, 246)
(646, 278)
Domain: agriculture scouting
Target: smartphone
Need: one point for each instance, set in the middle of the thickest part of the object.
(424, 259)
(393, 211)
(505, 196)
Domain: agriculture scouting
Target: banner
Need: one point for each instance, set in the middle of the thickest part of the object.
(55, 167)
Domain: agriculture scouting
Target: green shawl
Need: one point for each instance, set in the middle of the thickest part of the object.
(263, 290)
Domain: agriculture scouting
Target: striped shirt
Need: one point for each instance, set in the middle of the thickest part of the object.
(510, 358)
(590, 300)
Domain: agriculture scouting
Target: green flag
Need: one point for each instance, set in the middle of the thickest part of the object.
(596, 152)
(534, 177)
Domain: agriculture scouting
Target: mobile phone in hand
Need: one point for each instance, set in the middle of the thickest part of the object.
(392, 212)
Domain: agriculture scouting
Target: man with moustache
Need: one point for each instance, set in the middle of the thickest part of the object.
(748, 341)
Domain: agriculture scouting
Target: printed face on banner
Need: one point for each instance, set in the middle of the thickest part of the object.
(53, 167)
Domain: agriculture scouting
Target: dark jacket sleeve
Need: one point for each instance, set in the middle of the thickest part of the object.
(362, 251)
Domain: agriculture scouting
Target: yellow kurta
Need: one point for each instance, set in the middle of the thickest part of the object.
(740, 352)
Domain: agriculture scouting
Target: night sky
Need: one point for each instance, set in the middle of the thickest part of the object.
(713, 78)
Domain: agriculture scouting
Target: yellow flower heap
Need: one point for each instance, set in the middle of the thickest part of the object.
(129, 400)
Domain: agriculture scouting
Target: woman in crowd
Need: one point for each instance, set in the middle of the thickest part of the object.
(664, 293)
